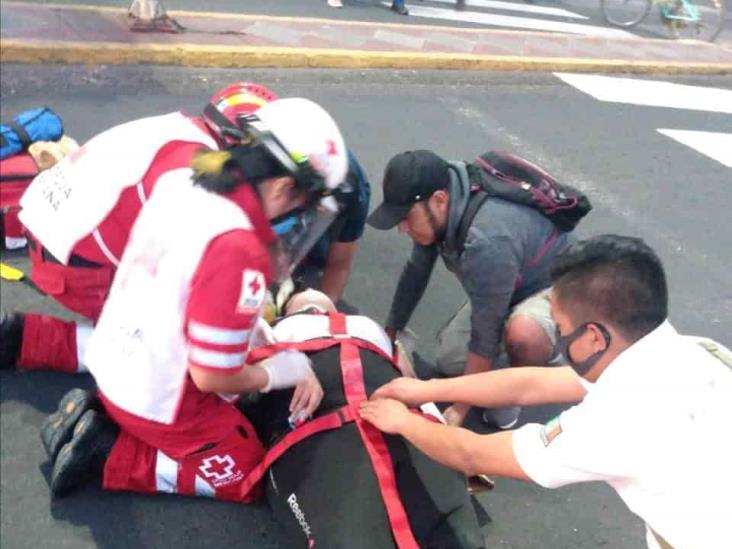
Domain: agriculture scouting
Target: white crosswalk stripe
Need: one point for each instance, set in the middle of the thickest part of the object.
(653, 93)
(715, 145)
(493, 13)
(513, 6)
(657, 93)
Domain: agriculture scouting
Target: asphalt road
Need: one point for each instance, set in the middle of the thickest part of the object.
(374, 10)
(641, 182)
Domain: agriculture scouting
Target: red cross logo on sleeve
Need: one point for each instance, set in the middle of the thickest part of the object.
(252, 292)
(255, 286)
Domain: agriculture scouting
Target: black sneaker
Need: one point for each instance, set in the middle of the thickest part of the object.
(401, 9)
(82, 460)
(58, 428)
(11, 338)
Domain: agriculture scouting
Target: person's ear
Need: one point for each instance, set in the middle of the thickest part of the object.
(441, 200)
(598, 341)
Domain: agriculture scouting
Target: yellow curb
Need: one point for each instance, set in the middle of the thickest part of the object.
(114, 53)
(340, 22)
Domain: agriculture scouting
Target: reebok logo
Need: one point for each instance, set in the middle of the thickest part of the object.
(299, 515)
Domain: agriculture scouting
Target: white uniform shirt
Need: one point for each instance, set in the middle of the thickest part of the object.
(657, 427)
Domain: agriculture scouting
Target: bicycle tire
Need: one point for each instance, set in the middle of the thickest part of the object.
(634, 16)
(721, 9)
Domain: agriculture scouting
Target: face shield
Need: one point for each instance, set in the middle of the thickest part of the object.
(297, 233)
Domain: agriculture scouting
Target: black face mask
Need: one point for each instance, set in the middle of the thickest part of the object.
(563, 343)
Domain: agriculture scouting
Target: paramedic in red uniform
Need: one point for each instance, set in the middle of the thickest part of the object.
(80, 222)
(170, 349)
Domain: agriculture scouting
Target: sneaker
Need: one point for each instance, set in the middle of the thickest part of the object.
(502, 418)
(401, 9)
(335, 3)
(82, 459)
(11, 338)
(58, 428)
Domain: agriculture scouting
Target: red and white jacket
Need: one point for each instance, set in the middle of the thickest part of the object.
(189, 290)
(87, 203)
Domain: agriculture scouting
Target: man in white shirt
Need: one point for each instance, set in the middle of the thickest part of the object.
(653, 421)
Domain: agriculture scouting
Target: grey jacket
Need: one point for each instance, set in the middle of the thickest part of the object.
(508, 252)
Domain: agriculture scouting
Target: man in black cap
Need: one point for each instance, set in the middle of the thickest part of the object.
(503, 265)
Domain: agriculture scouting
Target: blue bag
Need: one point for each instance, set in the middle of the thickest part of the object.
(28, 127)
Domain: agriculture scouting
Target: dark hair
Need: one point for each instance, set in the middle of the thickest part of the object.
(614, 279)
(223, 171)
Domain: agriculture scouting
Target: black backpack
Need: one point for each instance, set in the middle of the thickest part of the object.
(509, 177)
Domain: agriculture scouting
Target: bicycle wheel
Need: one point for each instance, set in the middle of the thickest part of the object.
(625, 13)
(694, 19)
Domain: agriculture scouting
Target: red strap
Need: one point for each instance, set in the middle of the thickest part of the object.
(313, 345)
(373, 440)
(337, 323)
(333, 420)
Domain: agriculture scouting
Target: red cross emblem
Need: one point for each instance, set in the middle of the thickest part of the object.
(332, 149)
(252, 292)
(217, 467)
(255, 286)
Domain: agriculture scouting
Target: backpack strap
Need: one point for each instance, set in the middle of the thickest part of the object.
(476, 200)
(23, 137)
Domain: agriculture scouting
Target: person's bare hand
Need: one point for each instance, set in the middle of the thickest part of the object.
(408, 390)
(306, 398)
(386, 414)
(455, 414)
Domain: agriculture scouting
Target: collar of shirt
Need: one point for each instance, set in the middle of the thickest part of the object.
(638, 359)
(245, 196)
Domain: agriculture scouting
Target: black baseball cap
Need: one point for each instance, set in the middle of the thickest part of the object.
(409, 177)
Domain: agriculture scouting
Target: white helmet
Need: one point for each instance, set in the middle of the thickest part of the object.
(305, 139)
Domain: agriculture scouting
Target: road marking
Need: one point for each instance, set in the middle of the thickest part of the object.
(511, 21)
(715, 145)
(510, 6)
(653, 93)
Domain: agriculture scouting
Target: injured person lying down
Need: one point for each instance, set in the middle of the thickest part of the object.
(334, 480)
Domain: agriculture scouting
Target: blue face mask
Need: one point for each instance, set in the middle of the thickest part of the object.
(564, 342)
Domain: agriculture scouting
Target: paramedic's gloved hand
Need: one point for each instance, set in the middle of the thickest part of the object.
(455, 414)
(306, 399)
(410, 391)
(386, 414)
(285, 370)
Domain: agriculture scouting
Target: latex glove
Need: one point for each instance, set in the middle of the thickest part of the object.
(285, 370)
